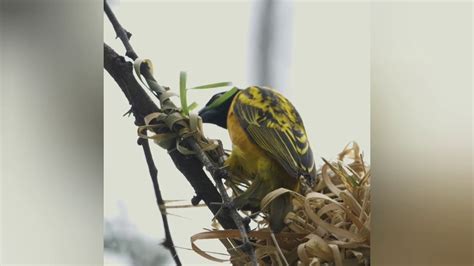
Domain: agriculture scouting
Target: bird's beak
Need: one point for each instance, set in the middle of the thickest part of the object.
(202, 111)
(213, 116)
(205, 114)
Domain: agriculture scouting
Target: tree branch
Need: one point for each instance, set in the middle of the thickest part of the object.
(137, 97)
(216, 172)
(141, 104)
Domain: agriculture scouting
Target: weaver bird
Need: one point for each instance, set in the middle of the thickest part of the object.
(270, 146)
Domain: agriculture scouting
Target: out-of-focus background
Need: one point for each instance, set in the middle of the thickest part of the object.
(51, 159)
(316, 53)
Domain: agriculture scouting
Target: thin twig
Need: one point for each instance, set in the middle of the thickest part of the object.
(216, 172)
(159, 199)
(280, 252)
(120, 31)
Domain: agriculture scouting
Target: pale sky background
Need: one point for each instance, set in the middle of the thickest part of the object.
(328, 82)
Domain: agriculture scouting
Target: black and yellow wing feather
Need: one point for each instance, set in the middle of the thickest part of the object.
(273, 123)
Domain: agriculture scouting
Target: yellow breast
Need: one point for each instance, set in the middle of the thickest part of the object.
(247, 152)
(253, 159)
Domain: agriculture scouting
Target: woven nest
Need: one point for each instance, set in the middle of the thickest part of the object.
(329, 224)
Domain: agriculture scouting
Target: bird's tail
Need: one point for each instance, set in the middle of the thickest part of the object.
(311, 177)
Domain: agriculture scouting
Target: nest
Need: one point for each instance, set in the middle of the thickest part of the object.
(329, 224)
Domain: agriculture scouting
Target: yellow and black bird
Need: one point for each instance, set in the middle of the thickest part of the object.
(270, 145)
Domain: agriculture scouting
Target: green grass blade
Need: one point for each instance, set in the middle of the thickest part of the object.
(192, 106)
(212, 85)
(223, 98)
(182, 93)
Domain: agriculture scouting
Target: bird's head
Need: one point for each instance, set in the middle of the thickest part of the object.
(216, 110)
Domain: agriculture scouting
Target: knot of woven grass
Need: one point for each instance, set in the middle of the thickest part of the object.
(172, 129)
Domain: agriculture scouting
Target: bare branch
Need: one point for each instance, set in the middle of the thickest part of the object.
(138, 97)
(216, 172)
(159, 199)
(142, 105)
(120, 31)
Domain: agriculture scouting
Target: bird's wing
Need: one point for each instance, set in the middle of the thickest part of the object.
(273, 123)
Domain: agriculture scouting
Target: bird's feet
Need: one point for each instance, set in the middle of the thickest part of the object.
(245, 203)
(221, 172)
